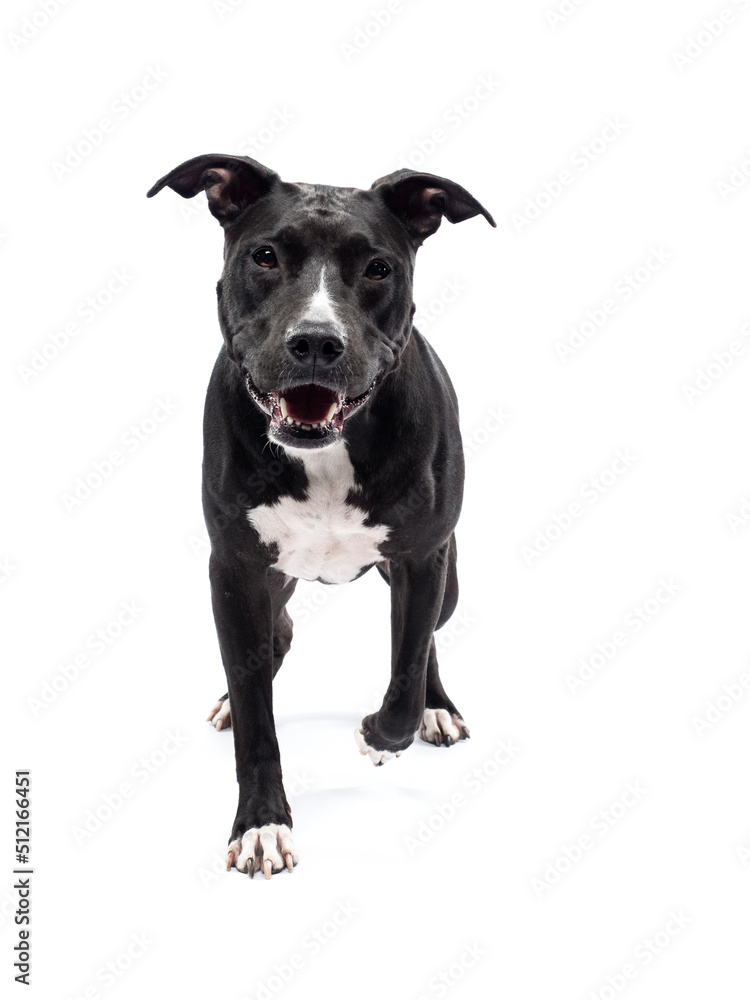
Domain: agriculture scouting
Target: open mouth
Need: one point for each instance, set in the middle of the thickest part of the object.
(308, 414)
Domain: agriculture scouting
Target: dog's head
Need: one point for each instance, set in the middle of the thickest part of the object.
(315, 301)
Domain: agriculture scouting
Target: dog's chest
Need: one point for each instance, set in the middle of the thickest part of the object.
(321, 537)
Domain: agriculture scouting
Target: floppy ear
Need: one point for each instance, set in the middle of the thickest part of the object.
(230, 182)
(421, 200)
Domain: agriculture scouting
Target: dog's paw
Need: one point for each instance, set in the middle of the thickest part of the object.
(268, 849)
(442, 728)
(220, 715)
(378, 757)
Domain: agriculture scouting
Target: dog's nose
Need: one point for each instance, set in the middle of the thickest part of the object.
(315, 344)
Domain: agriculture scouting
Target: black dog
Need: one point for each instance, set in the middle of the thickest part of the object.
(364, 466)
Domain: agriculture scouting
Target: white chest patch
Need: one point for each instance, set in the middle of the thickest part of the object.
(321, 537)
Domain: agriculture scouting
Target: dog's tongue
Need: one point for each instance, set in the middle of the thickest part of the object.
(310, 404)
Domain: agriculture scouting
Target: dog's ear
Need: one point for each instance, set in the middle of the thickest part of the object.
(421, 200)
(231, 183)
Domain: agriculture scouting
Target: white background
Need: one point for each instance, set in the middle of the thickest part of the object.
(332, 97)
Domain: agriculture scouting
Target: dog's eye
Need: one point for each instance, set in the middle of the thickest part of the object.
(377, 270)
(265, 257)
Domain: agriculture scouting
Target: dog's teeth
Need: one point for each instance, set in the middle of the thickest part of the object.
(282, 404)
(331, 412)
(306, 427)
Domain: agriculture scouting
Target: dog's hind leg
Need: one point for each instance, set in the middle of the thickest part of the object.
(442, 723)
(221, 714)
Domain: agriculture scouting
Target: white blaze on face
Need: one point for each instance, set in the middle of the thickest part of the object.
(321, 307)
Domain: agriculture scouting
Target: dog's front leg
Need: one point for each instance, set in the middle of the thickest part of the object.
(261, 835)
(417, 589)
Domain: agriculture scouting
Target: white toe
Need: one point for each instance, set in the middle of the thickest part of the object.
(438, 723)
(378, 757)
(264, 848)
(220, 715)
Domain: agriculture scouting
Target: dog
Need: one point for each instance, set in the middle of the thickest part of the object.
(331, 445)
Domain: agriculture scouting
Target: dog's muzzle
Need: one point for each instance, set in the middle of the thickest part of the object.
(308, 415)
